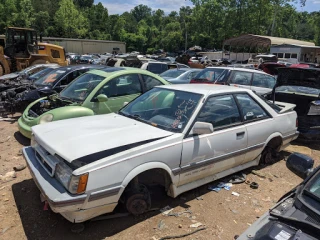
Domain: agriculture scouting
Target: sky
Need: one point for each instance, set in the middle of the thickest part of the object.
(118, 7)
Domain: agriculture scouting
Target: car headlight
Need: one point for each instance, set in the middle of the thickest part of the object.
(74, 184)
(46, 118)
(314, 108)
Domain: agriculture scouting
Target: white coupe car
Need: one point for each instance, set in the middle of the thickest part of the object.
(182, 136)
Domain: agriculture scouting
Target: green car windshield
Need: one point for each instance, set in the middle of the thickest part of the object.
(79, 89)
(163, 108)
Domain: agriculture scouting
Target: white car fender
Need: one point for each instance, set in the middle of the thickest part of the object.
(148, 166)
(273, 135)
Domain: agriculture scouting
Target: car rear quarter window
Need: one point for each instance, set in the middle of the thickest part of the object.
(150, 82)
(263, 80)
(241, 78)
(249, 108)
(220, 111)
(157, 68)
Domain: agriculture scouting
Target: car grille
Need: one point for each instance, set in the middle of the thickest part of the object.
(47, 161)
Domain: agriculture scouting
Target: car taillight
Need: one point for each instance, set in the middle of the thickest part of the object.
(193, 81)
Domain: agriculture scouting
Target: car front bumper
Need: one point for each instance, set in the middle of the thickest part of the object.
(24, 129)
(69, 206)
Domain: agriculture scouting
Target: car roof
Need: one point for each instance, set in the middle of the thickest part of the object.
(247, 70)
(74, 67)
(205, 89)
(109, 71)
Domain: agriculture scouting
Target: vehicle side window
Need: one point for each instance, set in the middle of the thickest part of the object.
(191, 75)
(55, 53)
(241, 78)
(69, 78)
(262, 80)
(35, 70)
(250, 108)
(121, 86)
(220, 111)
(150, 82)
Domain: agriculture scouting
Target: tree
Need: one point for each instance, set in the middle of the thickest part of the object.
(84, 3)
(140, 12)
(25, 15)
(69, 21)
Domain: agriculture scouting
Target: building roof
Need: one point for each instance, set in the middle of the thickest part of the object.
(251, 40)
(296, 45)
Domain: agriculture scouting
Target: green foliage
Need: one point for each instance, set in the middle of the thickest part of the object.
(207, 23)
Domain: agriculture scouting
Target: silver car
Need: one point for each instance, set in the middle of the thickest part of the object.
(180, 75)
(180, 136)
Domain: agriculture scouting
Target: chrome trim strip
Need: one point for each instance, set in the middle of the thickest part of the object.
(209, 161)
(291, 135)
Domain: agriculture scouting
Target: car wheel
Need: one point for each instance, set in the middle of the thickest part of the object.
(138, 202)
(267, 156)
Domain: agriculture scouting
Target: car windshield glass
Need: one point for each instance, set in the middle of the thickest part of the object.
(163, 108)
(40, 74)
(314, 187)
(210, 74)
(172, 73)
(50, 78)
(298, 89)
(79, 89)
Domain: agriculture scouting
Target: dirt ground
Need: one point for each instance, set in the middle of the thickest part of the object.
(22, 215)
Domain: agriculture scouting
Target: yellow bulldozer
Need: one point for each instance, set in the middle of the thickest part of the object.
(22, 50)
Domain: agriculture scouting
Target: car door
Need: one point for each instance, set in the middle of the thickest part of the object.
(258, 122)
(119, 90)
(210, 154)
(240, 79)
(262, 83)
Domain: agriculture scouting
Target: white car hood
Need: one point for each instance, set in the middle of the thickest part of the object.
(79, 137)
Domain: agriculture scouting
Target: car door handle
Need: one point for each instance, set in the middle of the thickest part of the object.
(240, 135)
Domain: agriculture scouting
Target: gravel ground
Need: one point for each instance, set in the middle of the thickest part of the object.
(22, 215)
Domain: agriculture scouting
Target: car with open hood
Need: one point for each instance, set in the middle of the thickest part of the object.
(301, 86)
(179, 136)
(16, 99)
(95, 92)
(296, 216)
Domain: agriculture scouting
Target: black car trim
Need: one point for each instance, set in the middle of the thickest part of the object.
(104, 193)
(209, 161)
(90, 158)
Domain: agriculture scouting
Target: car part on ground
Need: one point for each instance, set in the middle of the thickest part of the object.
(177, 136)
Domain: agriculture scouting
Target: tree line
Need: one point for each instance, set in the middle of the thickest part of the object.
(207, 24)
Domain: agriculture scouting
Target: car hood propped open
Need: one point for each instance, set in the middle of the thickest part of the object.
(304, 77)
(75, 138)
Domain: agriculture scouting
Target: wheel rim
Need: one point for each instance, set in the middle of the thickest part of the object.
(137, 204)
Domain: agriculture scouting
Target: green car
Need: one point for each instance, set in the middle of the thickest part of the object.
(95, 92)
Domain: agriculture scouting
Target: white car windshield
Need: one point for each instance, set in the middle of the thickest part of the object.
(163, 108)
(80, 88)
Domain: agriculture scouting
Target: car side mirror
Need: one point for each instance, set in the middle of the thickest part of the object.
(200, 128)
(300, 164)
(102, 98)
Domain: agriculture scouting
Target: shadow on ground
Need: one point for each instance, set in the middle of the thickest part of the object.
(21, 139)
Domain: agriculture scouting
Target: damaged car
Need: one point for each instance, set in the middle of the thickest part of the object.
(25, 73)
(301, 86)
(179, 136)
(297, 214)
(96, 92)
(19, 95)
